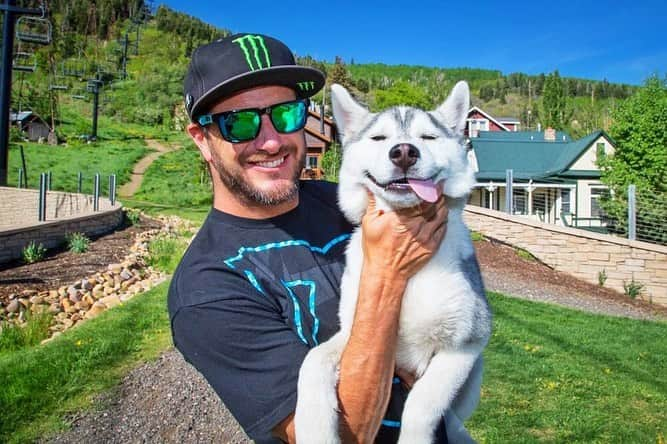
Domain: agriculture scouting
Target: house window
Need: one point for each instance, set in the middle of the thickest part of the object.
(312, 162)
(565, 200)
(597, 193)
(477, 125)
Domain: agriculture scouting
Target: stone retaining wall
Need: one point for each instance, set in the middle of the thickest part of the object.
(65, 213)
(578, 252)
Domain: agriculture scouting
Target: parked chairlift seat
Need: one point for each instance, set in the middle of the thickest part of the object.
(34, 30)
(24, 61)
(75, 68)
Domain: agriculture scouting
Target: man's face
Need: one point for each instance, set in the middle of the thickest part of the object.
(264, 171)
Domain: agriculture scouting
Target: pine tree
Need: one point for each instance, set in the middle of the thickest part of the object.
(553, 102)
(339, 74)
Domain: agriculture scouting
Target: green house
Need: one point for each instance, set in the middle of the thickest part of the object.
(555, 179)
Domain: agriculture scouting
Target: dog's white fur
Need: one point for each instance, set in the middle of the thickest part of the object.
(445, 322)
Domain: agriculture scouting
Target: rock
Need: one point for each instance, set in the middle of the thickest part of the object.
(87, 284)
(37, 300)
(25, 302)
(72, 309)
(53, 336)
(13, 306)
(54, 308)
(111, 300)
(74, 296)
(67, 322)
(66, 303)
(76, 317)
(97, 308)
(28, 293)
(125, 275)
(126, 296)
(115, 268)
(53, 294)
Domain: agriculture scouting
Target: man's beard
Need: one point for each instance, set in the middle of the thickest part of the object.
(238, 186)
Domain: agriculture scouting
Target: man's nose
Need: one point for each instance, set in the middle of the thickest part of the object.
(268, 139)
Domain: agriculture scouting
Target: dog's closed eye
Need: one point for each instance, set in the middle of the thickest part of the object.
(429, 136)
(379, 137)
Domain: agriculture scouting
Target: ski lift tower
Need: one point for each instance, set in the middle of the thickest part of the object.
(11, 13)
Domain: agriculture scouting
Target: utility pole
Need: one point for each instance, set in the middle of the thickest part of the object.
(10, 13)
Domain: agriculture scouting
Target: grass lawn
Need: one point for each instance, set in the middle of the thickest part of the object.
(42, 384)
(552, 374)
(106, 158)
(176, 179)
(559, 375)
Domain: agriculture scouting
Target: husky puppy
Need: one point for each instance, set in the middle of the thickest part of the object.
(402, 156)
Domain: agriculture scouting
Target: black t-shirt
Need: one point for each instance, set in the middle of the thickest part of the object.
(251, 297)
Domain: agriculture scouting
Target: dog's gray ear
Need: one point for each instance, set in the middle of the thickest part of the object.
(349, 115)
(454, 110)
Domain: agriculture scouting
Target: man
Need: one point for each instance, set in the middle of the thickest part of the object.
(259, 285)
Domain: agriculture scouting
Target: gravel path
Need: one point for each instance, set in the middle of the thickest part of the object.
(167, 401)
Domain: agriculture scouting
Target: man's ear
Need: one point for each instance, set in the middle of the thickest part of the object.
(198, 135)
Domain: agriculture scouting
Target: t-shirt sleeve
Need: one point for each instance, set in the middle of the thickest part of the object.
(248, 354)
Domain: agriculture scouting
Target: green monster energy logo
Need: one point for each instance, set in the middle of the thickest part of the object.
(254, 49)
(306, 86)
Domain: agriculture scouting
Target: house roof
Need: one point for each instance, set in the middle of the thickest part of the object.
(529, 158)
(488, 116)
(20, 117)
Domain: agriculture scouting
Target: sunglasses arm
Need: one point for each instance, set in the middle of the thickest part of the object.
(205, 120)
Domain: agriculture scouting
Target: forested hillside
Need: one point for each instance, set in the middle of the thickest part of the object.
(139, 54)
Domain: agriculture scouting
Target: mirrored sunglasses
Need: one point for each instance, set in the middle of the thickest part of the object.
(244, 125)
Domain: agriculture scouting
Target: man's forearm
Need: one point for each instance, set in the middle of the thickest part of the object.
(367, 363)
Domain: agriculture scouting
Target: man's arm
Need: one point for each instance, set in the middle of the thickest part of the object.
(395, 246)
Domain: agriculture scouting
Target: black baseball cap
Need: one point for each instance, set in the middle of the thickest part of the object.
(241, 61)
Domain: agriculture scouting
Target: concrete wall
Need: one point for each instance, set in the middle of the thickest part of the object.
(578, 252)
(65, 213)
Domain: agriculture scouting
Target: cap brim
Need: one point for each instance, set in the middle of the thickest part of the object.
(305, 82)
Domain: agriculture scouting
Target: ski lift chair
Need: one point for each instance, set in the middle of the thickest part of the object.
(74, 68)
(24, 61)
(34, 30)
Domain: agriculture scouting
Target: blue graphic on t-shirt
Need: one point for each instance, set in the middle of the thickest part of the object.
(297, 310)
(290, 243)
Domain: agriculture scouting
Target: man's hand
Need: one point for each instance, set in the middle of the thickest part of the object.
(398, 244)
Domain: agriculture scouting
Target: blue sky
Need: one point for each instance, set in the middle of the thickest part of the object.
(622, 41)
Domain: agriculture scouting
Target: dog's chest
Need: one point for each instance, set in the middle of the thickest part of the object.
(438, 305)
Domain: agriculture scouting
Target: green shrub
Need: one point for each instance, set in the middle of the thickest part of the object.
(165, 253)
(33, 252)
(77, 242)
(632, 288)
(525, 255)
(35, 330)
(476, 236)
(132, 216)
(602, 277)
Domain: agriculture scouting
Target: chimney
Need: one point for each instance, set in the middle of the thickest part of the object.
(549, 135)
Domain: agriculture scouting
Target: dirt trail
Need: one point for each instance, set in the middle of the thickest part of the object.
(140, 168)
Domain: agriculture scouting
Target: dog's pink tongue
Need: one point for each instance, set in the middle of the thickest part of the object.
(425, 189)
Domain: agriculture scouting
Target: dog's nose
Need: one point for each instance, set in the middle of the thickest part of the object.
(404, 155)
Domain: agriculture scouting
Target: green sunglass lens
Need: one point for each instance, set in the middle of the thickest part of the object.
(288, 117)
(242, 125)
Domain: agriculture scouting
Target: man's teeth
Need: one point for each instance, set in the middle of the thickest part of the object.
(271, 164)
